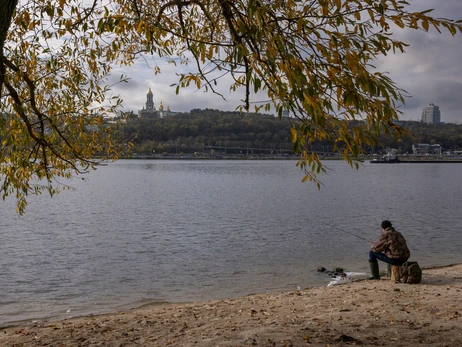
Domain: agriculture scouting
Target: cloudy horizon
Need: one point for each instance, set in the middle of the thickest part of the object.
(429, 70)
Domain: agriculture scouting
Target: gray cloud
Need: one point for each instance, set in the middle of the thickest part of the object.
(142, 77)
(430, 71)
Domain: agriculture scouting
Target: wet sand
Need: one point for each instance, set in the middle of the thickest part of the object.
(367, 313)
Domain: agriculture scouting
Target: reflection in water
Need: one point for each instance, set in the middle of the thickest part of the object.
(139, 231)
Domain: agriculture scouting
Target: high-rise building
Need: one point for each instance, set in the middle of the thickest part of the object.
(431, 114)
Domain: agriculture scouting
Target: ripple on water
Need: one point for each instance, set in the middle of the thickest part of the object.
(141, 231)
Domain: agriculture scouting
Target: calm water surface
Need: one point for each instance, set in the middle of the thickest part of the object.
(169, 231)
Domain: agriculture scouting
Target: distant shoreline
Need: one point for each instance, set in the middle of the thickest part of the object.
(402, 159)
(435, 160)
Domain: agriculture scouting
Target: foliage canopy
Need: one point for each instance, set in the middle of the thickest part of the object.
(310, 57)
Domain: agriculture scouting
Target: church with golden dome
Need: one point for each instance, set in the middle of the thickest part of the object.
(150, 111)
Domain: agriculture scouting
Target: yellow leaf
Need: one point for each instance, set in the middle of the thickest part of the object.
(294, 134)
(425, 25)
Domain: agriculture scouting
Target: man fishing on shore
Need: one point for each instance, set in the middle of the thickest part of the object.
(391, 248)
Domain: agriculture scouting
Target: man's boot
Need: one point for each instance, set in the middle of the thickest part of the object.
(374, 270)
(388, 270)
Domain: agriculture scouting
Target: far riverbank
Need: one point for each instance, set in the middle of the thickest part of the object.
(323, 156)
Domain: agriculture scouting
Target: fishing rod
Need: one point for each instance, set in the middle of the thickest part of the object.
(360, 237)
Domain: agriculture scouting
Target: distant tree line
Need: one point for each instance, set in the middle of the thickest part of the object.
(192, 132)
(448, 135)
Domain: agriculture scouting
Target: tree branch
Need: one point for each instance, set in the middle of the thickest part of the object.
(6, 15)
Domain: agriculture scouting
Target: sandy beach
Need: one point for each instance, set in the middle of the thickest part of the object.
(368, 313)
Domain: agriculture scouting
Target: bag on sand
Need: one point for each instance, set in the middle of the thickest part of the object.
(410, 272)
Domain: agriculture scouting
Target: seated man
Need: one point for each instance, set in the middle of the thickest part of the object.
(390, 248)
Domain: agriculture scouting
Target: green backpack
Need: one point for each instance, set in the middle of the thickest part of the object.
(410, 272)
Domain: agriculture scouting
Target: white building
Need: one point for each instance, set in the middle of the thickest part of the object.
(425, 148)
(150, 110)
(431, 114)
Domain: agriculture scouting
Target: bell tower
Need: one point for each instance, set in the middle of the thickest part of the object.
(149, 101)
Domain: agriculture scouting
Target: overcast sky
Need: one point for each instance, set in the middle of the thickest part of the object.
(430, 71)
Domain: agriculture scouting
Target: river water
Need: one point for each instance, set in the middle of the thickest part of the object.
(140, 231)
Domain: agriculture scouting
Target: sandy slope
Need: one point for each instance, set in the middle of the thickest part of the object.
(368, 313)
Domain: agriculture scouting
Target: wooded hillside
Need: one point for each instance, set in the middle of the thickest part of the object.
(190, 132)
